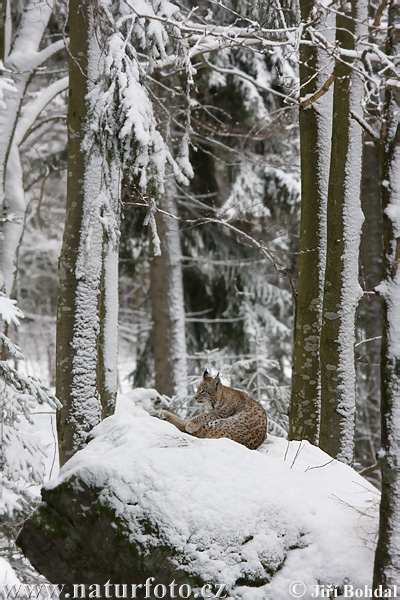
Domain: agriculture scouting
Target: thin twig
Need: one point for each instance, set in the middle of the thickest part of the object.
(320, 466)
(299, 449)
(370, 469)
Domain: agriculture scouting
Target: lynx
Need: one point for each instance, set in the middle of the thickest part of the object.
(232, 414)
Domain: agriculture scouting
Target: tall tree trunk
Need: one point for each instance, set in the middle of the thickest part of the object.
(342, 291)
(78, 87)
(315, 130)
(86, 314)
(368, 353)
(387, 558)
(169, 345)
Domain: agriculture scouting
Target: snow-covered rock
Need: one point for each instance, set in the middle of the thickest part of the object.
(145, 500)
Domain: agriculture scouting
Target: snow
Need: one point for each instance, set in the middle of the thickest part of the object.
(32, 109)
(9, 311)
(6, 84)
(7, 573)
(249, 507)
(14, 225)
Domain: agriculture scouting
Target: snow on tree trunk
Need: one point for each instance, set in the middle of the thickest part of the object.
(86, 316)
(78, 48)
(13, 227)
(342, 291)
(108, 342)
(20, 66)
(315, 132)
(387, 558)
(169, 345)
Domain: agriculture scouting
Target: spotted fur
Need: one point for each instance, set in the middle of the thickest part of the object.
(231, 414)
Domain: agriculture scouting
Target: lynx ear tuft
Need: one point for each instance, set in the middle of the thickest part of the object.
(206, 374)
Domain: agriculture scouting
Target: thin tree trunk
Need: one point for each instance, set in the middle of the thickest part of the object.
(368, 353)
(342, 291)
(169, 345)
(5, 26)
(387, 558)
(13, 228)
(108, 341)
(22, 61)
(315, 130)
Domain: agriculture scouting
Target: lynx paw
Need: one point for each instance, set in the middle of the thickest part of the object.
(192, 427)
(165, 414)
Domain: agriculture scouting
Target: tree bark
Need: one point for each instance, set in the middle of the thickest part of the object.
(315, 130)
(169, 344)
(368, 353)
(78, 87)
(87, 309)
(387, 558)
(342, 291)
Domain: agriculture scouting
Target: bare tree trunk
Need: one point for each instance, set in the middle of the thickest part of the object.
(78, 84)
(169, 345)
(342, 291)
(87, 309)
(387, 558)
(315, 131)
(368, 353)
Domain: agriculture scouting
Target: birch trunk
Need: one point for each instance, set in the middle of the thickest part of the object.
(387, 558)
(342, 291)
(315, 131)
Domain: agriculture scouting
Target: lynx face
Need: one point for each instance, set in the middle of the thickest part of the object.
(209, 391)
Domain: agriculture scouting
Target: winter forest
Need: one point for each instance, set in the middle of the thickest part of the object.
(199, 193)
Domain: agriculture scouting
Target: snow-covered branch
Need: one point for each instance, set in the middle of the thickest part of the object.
(32, 109)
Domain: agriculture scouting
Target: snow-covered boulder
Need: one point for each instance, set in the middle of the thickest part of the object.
(145, 500)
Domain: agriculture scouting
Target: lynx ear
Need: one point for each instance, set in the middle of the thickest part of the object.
(216, 381)
(206, 374)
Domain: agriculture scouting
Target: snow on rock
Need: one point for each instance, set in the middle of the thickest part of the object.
(227, 514)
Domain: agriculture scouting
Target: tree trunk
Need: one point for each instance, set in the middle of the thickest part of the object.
(21, 64)
(109, 302)
(387, 558)
(78, 66)
(169, 345)
(342, 291)
(368, 353)
(315, 131)
(87, 303)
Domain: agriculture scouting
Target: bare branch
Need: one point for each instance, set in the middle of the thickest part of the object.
(375, 136)
(323, 89)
